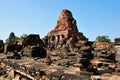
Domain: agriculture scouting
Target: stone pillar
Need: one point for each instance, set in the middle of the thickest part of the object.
(57, 37)
(60, 37)
(117, 54)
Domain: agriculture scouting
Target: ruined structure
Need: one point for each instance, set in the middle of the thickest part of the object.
(10, 43)
(11, 38)
(33, 46)
(104, 50)
(66, 34)
(1, 46)
(66, 41)
(117, 49)
(64, 54)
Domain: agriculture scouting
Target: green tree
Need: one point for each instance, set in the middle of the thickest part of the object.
(17, 38)
(103, 39)
(23, 36)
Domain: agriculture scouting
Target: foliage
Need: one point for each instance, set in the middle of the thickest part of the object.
(17, 38)
(94, 44)
(23, 36)
(103, 39)
(7, 40)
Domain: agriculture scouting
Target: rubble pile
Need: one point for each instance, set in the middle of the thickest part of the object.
(31, 69)
(104, 50)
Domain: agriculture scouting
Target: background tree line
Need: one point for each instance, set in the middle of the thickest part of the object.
(17, 38)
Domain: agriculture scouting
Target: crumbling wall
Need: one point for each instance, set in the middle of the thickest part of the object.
(33, 46)
(1, 46)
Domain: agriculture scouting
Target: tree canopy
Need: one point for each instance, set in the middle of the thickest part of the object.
(103, 39)
(23, 36)
(17, 38)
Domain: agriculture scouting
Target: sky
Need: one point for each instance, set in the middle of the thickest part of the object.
(94, 17)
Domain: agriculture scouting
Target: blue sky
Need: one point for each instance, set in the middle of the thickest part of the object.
(94, 17)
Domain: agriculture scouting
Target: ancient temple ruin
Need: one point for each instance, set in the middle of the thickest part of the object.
(63, 54)
(66, 34)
